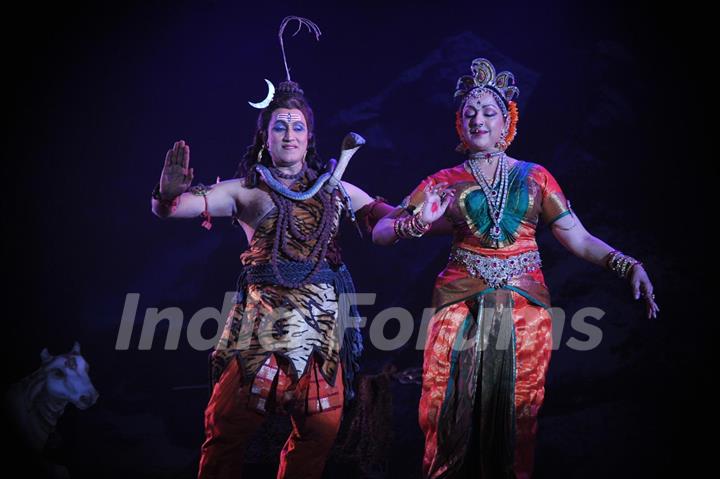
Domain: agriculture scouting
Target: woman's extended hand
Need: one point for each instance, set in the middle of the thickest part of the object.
(642, 287)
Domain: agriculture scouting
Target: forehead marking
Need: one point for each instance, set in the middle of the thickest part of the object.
(289, 117)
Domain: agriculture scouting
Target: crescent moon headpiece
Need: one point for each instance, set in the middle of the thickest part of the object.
(483, 80)
(287, 87)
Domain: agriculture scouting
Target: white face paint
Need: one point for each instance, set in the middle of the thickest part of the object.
(289, 118)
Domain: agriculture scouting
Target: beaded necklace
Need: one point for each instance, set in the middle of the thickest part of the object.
(289, 176)
(486, 156)
(496, 193)
(286, 226)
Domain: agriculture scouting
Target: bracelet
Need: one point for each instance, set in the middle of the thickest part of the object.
(163, 201)
(621, 263)
(410, 226)
(198, 190)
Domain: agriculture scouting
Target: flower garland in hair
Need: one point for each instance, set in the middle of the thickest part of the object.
(514, 116)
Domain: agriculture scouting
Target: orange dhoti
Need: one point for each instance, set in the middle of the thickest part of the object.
(237, 410)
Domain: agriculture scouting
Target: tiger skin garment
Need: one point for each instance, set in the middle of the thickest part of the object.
(292, 323)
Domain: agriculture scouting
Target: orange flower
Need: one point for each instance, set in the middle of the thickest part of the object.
(514, 117)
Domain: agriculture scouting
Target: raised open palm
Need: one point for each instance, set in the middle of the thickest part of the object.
(437, 199)
(176, 175)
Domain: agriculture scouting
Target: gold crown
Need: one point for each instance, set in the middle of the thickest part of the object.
(483, 79)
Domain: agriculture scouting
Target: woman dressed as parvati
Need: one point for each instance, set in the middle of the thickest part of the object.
(489, 341)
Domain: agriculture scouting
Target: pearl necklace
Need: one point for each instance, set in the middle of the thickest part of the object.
(496, 194)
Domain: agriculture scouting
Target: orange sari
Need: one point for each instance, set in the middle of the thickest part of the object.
(488, 348)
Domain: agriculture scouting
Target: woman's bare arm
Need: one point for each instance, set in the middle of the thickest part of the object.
(436, 200)
(570, 232)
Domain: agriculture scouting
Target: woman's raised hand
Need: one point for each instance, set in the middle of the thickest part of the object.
(437, 199)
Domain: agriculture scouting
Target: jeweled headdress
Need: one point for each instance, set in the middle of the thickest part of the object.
(287, 87)
(483, 80)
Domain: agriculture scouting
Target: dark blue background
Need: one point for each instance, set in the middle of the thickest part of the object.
(609, 103)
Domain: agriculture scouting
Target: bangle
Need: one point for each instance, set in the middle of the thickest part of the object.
(621, 263)
(410, 226)
(163, 201)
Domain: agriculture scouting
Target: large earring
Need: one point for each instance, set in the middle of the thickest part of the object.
(502, 143)
(260, 154)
